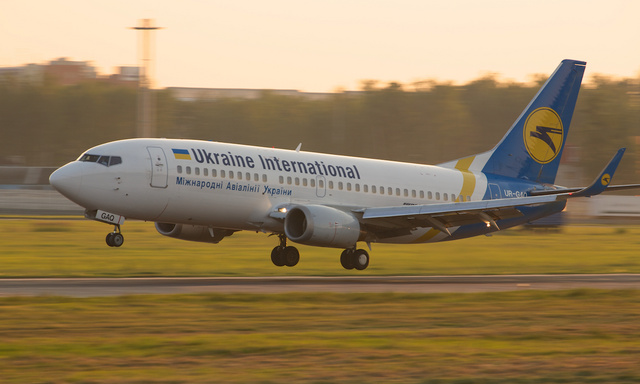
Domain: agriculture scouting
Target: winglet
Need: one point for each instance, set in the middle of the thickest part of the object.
(604, 179)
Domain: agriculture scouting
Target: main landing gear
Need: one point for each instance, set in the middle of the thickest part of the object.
(115, 238)
(354, 258)
(287, 255)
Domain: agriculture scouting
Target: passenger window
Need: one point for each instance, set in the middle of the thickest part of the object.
(179, 168)
(115, 160)
(264, 178)
(197, 171)
(382, 190)
(330, 184)
(312, 182)
(468, 198)
(223, 174)
(422, 194)
(390, 191)
(205, 171)
(304, 182)
(348, 186)
(214, 173)
(413, 193)
(256, 177)
(289, 180)
(239, 175)
(397, 191)
(188, 170)
(231, 175)
(297, 181)
(248, 175)
(437, 195)
(281, 179)
(406, 193)
(340, 185)
(446, 197)
(453, 197)
(373, 189)
(429, 195)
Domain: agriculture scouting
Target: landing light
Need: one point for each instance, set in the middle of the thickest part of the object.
(282, 210)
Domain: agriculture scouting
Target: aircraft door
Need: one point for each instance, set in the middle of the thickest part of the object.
(159, 171)
(321, 186)
(495, 191)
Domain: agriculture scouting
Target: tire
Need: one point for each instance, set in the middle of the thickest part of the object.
(117, 239)
(360, 259)
(277, 256)
(109, 239)
(291, 256)
(346, 259)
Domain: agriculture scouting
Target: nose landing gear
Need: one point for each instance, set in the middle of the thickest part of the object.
(115, 238)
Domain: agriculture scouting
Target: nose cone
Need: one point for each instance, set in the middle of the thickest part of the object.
(67, 180)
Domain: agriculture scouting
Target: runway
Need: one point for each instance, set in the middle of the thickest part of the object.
(95, 287)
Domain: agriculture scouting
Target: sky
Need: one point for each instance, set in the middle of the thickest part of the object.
(328, 45)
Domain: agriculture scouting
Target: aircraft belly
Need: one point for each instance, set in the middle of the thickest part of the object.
(220, 209)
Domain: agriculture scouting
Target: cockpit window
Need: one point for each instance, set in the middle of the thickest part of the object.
(89, 158)
(104, 160)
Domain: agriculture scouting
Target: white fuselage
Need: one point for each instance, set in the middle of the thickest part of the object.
(241, 187)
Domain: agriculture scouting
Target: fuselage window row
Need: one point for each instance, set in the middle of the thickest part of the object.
(113, 160)
(223, 173)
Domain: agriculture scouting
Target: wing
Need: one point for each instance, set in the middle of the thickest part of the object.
(389, 221)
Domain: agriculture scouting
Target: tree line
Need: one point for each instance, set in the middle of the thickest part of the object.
(423, 122)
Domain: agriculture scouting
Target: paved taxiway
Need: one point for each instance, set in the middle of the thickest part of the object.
(91, 287)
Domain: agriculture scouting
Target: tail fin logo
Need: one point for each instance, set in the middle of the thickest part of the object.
(543, 135)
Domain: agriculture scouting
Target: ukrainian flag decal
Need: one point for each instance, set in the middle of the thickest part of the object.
(181, 154)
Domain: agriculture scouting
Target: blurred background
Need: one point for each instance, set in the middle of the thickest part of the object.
(416, 81)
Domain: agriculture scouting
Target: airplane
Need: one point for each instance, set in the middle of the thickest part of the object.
(206, 191)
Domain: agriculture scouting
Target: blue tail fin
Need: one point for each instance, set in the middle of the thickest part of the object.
(532, 147)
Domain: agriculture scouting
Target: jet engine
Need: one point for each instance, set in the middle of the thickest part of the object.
(193, 232)
(321, 226)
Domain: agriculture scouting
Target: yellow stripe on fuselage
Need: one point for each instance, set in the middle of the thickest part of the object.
(468, 178)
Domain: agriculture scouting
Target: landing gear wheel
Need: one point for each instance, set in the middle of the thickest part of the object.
(114, 239)
(277, 256)
(346, 259)
(360, 259)
(291, 256)
(117, 239)
(109, 239)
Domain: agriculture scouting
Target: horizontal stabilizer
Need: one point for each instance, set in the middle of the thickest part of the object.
(599, 185)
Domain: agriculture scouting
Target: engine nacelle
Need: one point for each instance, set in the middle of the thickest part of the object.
(321, 226)
(193, 232)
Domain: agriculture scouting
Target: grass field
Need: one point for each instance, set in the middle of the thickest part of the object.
(579, 336)
(59, 247)
(583, 336)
